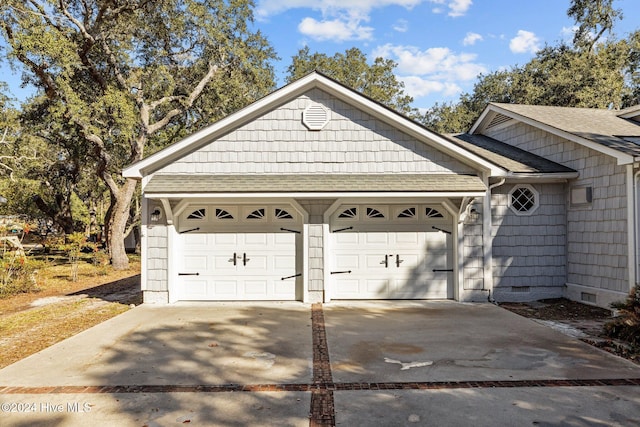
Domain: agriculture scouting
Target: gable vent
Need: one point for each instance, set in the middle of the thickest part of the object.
(315, 117)
(498, 120)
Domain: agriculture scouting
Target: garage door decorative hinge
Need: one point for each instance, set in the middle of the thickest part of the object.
(342, 229)
(290, 231)
(440, 229)
(188, 231)
(291, 277)
(442, 270)
(188, 274)
(341, 272)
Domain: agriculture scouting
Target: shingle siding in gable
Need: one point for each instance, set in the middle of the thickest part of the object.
(596, 234)
(352, 142)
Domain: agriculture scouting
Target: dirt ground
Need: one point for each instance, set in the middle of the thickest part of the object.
(579, 320)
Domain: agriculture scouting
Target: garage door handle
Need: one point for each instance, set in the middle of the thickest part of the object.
(235, 255)
(245, 260)
(398, 261)
(386, 261)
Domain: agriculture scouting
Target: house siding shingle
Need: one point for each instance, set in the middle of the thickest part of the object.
(596, 233)
(529, 251)
(352, 142)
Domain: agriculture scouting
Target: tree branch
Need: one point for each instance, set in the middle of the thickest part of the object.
(195, 93)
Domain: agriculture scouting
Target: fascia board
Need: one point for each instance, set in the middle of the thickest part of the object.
(480, 121)
(622, 158)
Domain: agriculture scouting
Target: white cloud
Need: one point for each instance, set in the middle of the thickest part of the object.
(435, 70)
(524, 42)
(336, 30)
(471, 39)
(419, 87)
(456, 7)
(401, 26)
(266, 8)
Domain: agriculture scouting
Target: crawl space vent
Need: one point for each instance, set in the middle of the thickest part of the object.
(315, 117)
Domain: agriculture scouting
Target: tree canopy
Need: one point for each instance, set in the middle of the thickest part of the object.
(119, 76)
(592, 73)
(377, 80)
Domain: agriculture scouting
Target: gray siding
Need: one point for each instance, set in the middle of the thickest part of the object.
(529, 251)
(316, 209)
(157, 256)
(352, 142)
(596, 234)
(473, 256)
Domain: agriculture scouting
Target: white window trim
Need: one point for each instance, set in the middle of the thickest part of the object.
(536, 200)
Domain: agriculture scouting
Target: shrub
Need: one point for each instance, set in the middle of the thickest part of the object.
(627, 325)
(18, 274)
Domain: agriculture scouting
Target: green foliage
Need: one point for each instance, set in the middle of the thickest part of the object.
(592, 73)
(594, 18)
(626, 326)
(377, 80)
(119, 77)
(17, 270)
(73, 245)
(558, 75)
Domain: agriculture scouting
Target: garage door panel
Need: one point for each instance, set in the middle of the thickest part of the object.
(224, 238)
(269, 257)
(255, 288)
(420, 252)
(224, 288)
(196, 287)
(196, 263)
(344, 238)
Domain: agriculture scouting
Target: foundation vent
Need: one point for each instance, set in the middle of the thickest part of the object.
(520, 289)
(315, 117)
(587, 297)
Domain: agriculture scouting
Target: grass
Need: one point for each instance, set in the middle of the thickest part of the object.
(27, 327)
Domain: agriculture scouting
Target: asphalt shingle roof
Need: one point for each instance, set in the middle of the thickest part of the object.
(356, 183)
(602, 126)
(508, 157)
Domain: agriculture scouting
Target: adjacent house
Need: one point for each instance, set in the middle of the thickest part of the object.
(317, 193)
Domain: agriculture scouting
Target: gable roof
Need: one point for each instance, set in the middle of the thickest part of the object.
(313, 80)
(513, 159)
(606, 131)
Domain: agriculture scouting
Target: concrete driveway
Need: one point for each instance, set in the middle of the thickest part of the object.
(356, 364)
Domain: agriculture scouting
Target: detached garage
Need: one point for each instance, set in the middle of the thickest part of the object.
(314, 193)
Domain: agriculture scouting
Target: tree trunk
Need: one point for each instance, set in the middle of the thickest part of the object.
(116, 224)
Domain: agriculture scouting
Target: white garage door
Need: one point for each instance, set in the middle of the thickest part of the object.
(238, 266)
(405, 264)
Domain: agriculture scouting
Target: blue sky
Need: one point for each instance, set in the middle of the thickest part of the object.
(440, 45)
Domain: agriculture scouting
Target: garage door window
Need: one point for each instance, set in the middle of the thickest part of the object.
(350, 213)
(407, 213)
(223, 214)
(282, 214)
(257, 214)
(432, 213)
(199, 214)
(374, 213)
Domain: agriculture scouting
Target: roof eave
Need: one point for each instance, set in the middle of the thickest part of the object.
(622, 158)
